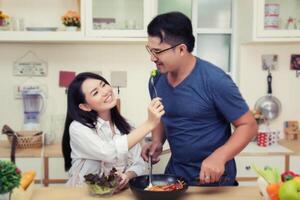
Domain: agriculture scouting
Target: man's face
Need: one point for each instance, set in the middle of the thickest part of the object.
(164, 55)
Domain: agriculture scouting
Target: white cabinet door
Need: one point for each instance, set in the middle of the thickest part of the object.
(269, 20)
(34, 20)
(245, 163)
(278, 19)
(118, 18)
(295, 164)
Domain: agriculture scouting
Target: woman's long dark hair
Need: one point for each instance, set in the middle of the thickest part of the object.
(89, 119)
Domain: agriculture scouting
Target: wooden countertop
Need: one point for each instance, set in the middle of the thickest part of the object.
(293, 145)
(193, 193)
(54, 150)
(5, 151)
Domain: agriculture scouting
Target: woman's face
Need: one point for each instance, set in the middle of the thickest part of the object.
(99, 96)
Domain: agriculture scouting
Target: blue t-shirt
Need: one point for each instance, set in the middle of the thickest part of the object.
(197, 120)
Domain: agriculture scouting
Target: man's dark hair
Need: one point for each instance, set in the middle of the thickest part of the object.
(172, 28)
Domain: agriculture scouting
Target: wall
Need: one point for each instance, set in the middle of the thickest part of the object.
(253, 80)
(75, 57)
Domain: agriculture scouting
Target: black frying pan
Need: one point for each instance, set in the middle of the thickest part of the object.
(139, 183)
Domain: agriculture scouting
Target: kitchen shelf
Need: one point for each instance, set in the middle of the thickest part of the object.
(63, 36)
(254, 23)
(10, 36)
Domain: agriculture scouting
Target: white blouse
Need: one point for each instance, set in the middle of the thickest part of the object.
(98, 150)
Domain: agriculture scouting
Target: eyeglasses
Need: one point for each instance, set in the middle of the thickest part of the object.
(155, 53)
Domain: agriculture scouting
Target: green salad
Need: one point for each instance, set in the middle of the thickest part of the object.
(105, 184)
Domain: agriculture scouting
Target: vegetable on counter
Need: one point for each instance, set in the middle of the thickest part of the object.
(290, 190)
(10, 176)
(288, 175)
(271, 182)
(27, 179)
(274, 186)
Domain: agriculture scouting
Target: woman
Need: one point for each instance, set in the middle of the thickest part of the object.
(96, 137)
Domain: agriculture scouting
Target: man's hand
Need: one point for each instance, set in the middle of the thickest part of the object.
(154, 149)
(212, 169)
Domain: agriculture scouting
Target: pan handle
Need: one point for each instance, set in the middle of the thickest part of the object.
(269, 79)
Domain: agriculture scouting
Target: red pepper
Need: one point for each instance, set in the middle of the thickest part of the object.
(288, 175)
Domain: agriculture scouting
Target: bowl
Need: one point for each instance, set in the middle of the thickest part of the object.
(102, 185)
(139, 183)
(96, 190)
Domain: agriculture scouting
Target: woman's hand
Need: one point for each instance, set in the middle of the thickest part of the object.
(123, 184)
(155, 111)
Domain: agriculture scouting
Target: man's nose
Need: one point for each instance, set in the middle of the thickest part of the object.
(153, 58)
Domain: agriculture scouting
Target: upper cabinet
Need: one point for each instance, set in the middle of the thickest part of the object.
(101, 20)
(117, 18)
(34, 20)
(270, 20)
(212, 25)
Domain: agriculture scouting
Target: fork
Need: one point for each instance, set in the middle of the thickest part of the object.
(153, 86)
(150, 171)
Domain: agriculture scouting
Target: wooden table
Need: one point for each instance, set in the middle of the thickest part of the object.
(193, 193)
(49, 151)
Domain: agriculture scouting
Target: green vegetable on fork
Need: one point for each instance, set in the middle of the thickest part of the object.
(153, 72)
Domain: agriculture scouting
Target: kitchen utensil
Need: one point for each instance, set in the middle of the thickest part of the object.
(7, 130)
(268, 105)
(222, 179)
(34, 105)
(150, 171)
(153, 86)
(139, 183)
(14, 141)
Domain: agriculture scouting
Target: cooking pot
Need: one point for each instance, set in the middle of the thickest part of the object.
(139, 183)
(268, 105)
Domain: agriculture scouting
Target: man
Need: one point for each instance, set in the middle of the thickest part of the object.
(201, 102)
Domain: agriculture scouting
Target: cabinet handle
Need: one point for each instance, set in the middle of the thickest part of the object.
(248, 167)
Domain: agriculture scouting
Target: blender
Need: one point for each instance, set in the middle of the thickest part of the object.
(33, 102)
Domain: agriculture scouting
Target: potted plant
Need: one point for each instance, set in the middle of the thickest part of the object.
(4, 19)
(71, 20)
(10, 177)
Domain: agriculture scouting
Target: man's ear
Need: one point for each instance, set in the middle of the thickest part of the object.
(85, 107)
(182, 49)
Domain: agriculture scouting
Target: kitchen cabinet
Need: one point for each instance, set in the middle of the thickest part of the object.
(213, 23)
(126, 21)
(117, 18)
(269, 20)
(245, 172)
(42, 19)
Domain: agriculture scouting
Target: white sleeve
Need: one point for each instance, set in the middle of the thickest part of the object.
(135, 160)
(86, 144)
